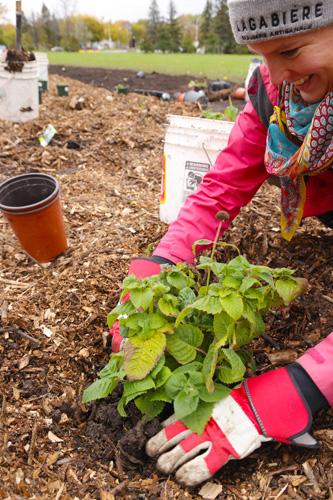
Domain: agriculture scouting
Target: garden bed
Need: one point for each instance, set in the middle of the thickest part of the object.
(53, 335)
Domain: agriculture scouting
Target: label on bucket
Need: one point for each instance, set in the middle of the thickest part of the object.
(194, 173)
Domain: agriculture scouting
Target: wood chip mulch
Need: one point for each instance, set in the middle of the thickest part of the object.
(53, 336)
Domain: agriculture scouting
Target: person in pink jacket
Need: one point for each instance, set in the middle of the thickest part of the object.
(286, 131)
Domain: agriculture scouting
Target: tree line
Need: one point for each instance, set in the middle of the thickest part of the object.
(209, 32)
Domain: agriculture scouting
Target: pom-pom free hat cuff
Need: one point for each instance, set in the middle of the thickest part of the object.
(259, 20)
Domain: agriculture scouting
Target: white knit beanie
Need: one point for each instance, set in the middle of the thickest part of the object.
(259, 20)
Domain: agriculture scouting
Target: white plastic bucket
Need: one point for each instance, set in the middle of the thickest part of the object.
(19, 93)
(42, 66)
(191, 147)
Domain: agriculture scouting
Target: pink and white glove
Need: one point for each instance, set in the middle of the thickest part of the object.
(264, 408)
(141, 268)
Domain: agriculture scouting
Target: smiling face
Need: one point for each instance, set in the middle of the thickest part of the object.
(305, 60)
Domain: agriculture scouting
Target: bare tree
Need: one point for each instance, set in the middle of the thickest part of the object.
(3, 12)
(67, 10)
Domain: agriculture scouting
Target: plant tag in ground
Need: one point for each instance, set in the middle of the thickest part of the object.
(47, 136)
(210, 491)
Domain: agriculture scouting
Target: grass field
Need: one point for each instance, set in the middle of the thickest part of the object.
(233, 67)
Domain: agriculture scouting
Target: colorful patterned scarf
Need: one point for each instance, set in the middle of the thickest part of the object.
(299, 143)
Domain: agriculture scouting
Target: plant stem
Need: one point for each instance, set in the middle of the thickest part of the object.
(217, 237)
(231, 246)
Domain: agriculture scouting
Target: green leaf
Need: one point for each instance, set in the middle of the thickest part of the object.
(196, 366)
(211, 305)
(168, 305)
(233, 369)
(149, 408)
(220, 392)
(175, 384)
(233, 305)
(137, 386)
(267, 277)
(223, 327)
(195, 378)
(289, 289)
(231, 282)
(147, 324)
(225, 292)
(99, 389)
(198, 420)
(209, 366)
(182, 344)
(247, 283)
(186, 297)
(121, 407)
(243, 333)
(125, 309)
(177, 279)
(131, 283)
(141, 356)
(162, 377)
(200, 243)
(123, 330)
(185, 402)
(159, 287)
(240, 263)
(158, 368)
(249, 361)
(216, 267)
(257, 294)
(190, 334)
(254, 318)
(283, 272)
(160, 395)
(111, 369)
(182, 315)
(141, 298)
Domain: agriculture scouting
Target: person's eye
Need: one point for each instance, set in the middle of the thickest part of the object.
(289, 53)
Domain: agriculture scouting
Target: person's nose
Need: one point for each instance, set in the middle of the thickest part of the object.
(279, 71)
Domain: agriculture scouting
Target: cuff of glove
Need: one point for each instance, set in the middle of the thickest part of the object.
(308, 388)
(280, 407)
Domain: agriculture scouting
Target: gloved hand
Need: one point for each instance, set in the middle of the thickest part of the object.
(277, 405)
(141, 268)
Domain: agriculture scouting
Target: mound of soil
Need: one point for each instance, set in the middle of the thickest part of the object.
(53, 335)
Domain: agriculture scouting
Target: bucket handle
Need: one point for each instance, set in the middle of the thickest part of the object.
(206, 153)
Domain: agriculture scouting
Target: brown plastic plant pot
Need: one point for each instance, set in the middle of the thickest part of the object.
(31, 204)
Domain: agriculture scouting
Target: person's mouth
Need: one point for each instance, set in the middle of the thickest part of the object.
(303, 83)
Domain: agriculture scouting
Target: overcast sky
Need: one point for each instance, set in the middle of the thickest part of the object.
(113, 10)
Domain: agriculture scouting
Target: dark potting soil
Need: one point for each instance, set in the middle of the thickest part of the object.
(15, 59)
(112, 437)
(109, 78)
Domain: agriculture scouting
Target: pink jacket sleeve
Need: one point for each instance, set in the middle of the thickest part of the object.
(236, 176)
(318, 363)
